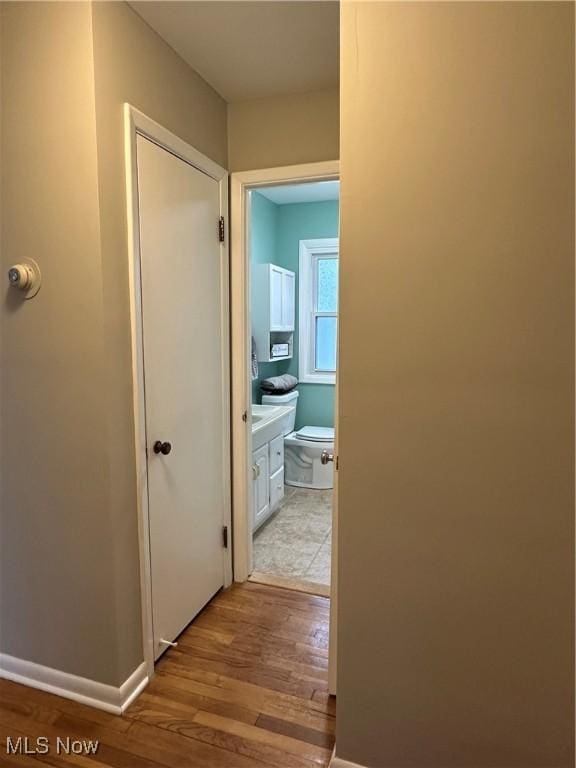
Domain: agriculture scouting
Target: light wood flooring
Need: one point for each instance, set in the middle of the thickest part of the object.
(246, 687)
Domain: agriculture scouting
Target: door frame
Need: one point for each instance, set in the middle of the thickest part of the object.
(138, 124)
(240, 184)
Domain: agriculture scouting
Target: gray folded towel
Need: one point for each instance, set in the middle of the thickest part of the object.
(285, 383)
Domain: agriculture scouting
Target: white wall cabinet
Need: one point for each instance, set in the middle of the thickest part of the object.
(273, 311)
(267, 479)
(276, 278)
(288, 300)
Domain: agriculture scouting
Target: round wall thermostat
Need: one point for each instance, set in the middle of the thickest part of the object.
(26, 277)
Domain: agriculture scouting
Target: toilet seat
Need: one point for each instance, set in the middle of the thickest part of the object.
(316, 434)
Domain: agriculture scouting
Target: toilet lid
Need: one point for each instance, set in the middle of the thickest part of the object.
(317, 434)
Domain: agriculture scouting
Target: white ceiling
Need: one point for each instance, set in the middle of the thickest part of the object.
(249, 50)
(312, 192)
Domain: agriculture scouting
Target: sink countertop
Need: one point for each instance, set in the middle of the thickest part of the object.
(268, 422)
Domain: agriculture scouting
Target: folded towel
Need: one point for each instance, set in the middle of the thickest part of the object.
(285, 383)
(254, 360)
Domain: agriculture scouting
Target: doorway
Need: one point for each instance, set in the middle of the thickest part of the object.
(180, 347)
(293, 254)
(249, 496)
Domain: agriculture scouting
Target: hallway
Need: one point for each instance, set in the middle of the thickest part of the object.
(246, 687)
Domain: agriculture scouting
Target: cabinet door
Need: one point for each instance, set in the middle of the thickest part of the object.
(276, 488)
(288, 300)
(276, 291)
(261, 484)
(276, 454)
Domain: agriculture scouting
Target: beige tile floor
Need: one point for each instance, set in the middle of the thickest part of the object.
(295, 542)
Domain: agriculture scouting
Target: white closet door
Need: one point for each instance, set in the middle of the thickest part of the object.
(182, 302)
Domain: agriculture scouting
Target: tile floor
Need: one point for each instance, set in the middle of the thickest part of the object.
(295, 542)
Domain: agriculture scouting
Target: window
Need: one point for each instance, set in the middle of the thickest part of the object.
(318, 315)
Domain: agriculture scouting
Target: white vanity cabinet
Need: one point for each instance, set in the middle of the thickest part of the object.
(267, 478)
(273, 312)
(260, 485)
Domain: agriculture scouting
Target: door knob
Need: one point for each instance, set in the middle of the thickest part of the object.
(326, 457)
(163, 448)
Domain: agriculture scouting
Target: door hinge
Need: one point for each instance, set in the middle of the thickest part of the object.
(245, 417)
(336, 462)
(225, 536)
(221, 229)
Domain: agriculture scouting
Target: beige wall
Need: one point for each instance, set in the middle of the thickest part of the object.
(455, 627)
(283, 130)
(70, 581)
(57, 588)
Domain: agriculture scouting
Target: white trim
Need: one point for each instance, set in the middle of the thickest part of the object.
(332, 630)
(338, 762)
(164, 138)
(136, 123)
(80, 689)
(310, 251)
(318, 378)
(241, 382)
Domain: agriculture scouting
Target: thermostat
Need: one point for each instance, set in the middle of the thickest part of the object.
(26, 277)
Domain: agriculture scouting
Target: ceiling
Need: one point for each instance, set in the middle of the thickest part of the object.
(311, 192)
(248, 50)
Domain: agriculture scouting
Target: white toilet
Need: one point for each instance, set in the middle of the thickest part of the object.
(303, 448)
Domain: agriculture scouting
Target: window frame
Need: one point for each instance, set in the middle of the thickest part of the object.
(311, 251)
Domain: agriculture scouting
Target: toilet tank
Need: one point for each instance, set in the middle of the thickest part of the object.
(288, 398)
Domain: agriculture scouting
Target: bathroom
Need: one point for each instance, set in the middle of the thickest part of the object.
(293, 247)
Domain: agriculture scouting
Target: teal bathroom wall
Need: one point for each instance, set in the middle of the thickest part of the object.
(305, 221)
(263, 226)
(276, 231)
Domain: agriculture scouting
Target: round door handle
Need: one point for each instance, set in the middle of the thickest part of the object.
(163, 448)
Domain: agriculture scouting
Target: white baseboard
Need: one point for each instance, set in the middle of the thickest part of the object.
(79, 689)
(338, 762)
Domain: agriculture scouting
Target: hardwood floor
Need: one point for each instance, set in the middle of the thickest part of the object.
(246, 687)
